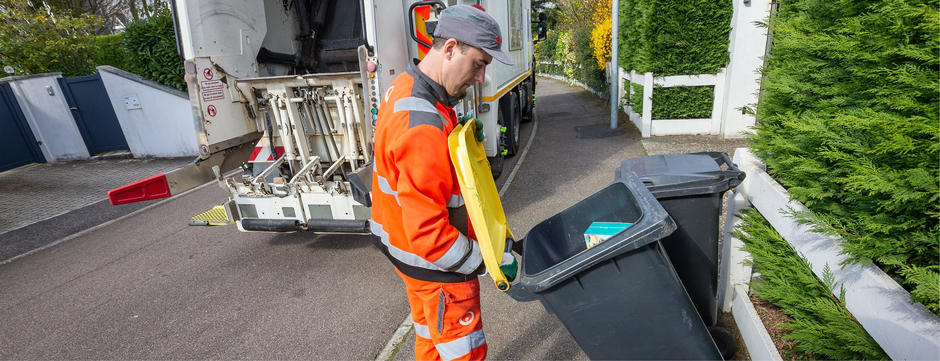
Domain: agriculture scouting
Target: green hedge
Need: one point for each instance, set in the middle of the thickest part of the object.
(675, 103)
(687, 102)
(151, 50)
(636, 100)
(34, 41)
(848, 122)
(109, 50)
(819, 324)
(668, 37)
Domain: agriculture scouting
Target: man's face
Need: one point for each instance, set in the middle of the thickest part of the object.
(462, 68)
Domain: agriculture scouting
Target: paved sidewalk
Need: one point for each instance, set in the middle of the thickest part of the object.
(41, 203)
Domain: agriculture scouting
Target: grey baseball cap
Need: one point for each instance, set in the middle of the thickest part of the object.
(473, 27)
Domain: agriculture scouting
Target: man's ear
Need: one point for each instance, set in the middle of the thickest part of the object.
(450, 46)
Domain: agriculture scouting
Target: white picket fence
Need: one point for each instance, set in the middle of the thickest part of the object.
(649, 126)
(644, 120)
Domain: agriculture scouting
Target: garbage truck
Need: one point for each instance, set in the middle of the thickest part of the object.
(284, 97)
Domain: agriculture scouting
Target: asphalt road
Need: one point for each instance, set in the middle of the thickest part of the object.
(150, 287)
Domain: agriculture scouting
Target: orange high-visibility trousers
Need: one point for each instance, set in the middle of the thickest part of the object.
(447, 319)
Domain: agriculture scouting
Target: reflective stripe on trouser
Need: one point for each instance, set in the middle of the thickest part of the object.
(447, 319)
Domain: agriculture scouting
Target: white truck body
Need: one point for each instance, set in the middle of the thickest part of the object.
(300, 122)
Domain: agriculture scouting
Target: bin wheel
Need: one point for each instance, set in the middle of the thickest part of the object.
(725, 341)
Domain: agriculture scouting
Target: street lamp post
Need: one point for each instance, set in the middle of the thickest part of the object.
(615, 71)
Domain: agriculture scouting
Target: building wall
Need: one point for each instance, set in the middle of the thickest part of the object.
(49, 117)
(157, 120)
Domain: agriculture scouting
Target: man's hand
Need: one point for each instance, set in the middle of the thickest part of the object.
(479, 126)
(509, 266)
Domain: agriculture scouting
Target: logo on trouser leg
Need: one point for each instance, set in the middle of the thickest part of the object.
(467, 318)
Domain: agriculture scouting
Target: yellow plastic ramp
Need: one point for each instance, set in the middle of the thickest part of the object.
(213, 217)
(481, 198)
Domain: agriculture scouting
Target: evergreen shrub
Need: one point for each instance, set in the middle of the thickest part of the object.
(583, 66)
(848, 122)
(668, 37)
(686, 102)
(35, 40)
(636, 100)
(819, 324)
(675, 103)
(109, 50)
(151, 50)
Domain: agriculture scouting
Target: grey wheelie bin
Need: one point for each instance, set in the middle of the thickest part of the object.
(620, 299)
(689, 187)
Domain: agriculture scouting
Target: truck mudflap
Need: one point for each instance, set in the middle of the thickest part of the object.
(184, 178)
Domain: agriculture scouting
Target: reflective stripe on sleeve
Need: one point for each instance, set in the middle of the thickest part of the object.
(386, 188)
(461, 346)
(457, 253)
(399, 254)
(473, 261)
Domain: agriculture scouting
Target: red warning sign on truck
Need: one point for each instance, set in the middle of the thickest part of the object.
(210, 110)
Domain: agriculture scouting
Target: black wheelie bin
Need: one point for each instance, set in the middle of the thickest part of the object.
(620, 299)
(689, 187)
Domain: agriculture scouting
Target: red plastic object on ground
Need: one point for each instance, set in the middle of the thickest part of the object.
(144, 190)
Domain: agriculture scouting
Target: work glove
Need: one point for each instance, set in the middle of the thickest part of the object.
(508, 265)
(479, 125)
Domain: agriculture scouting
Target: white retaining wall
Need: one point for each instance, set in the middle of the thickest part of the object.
(157, 120)
(905, 331)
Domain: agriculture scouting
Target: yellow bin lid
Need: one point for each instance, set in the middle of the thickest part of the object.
(481, 198)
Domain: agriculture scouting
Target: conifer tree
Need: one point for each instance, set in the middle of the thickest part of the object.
(848, 122)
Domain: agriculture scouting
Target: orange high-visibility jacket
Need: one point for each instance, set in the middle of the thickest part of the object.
(417, 210)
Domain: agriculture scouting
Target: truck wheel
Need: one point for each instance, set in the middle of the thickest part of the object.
(496, 164)
(510, 120)
(526, 100)
(516, 124)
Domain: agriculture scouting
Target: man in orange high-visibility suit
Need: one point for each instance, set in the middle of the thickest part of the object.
(416, 202)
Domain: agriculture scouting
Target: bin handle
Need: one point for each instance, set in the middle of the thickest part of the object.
(736, 175)
(720, 158)
(516, 291)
